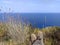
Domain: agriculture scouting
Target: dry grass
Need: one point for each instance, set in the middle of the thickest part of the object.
(15, 32)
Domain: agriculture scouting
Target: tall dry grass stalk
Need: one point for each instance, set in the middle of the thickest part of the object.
(16, 30)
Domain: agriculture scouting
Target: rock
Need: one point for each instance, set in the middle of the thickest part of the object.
(40, 35)
(38, 39)
(33, 37)
(37, 42)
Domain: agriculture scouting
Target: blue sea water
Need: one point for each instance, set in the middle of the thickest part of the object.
(38, 20)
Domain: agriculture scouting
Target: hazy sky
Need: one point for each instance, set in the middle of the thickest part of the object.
(30, 5)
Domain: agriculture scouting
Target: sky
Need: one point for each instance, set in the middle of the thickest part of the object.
(26, 6)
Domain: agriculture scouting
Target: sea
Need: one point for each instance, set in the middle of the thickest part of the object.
(38, 20)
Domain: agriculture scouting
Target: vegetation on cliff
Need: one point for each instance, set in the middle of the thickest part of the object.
(18, 33)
